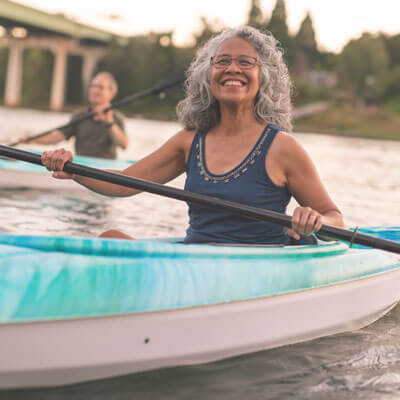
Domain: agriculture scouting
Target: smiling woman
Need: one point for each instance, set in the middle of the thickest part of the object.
(233, 146)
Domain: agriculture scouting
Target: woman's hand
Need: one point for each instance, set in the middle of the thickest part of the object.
(55, 161)
(305, 221)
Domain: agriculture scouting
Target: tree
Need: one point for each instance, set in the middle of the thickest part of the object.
(208, 30)
(255, 17)
(3, 70)
(277, 25)
(393, 47)
(393, 86)
(305, 37)
(363, 66)
(306, 55)
(37, 73)
(141, 64)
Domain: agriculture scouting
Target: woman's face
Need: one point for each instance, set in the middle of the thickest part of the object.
(233, 84)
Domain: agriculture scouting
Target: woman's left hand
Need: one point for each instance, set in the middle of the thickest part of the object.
(305, 221)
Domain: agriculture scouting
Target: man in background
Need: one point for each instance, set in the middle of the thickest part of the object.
(98, 136)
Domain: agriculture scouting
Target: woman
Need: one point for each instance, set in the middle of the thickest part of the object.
(233, 146)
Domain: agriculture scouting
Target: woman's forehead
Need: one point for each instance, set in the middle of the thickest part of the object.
(236, 46)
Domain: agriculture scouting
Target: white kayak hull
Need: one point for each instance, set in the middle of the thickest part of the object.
(67, 351)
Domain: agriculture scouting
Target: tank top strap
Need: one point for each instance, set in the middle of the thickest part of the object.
(270, 132)
(194, 149)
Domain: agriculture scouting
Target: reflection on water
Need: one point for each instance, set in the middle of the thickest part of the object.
(363, 178)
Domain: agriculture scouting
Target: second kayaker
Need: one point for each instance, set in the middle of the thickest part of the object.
(101, 135)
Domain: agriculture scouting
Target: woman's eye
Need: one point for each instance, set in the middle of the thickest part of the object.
(223, 61)
(244, 63)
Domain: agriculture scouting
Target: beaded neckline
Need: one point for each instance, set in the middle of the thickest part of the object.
(235, 172)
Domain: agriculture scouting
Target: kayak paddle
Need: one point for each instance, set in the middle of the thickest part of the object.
(204, 200)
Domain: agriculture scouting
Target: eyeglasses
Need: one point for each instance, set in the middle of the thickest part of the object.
(94, 85)
(243, 62)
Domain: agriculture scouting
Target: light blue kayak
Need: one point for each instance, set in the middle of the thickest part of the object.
(100, 308)
(19, 174)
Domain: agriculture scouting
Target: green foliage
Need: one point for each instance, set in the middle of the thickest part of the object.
(37, 77)
(208, 30)
(277, 25)
(363, 67)
(393, 104)
(306, 43)
(393, 83)
(393, 48)
(344, 119)
(3, 71)
(74, 84)
(142, 63)
(305, 37)
(304, 93)
(255, 17)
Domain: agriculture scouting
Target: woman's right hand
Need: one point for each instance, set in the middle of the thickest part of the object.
(55, 161)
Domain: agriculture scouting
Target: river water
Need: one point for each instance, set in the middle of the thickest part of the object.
(363, 178)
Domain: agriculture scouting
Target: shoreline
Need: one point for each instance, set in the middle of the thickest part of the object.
(304, 129)
(344, 134)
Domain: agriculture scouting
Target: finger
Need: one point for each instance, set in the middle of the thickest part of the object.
(64, 157)
(59, 164)
(309, 224)
(314, 223)
(46, 160)
(302, 226)
(318, 223)
(293, 234)
(296, 219)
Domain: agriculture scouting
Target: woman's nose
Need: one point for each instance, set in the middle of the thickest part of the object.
(233, 67)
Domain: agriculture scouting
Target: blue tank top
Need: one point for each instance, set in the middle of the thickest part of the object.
(248, 184)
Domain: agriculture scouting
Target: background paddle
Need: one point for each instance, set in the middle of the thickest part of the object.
(162, 86)
(200, 199)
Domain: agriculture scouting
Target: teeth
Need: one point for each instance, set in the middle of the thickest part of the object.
(232, 83)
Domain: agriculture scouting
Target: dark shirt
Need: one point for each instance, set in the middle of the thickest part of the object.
(94, 138)
(248, 183)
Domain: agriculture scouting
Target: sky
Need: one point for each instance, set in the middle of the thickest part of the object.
(335, 22)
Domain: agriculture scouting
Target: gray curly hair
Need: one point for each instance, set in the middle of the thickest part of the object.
(200, 110)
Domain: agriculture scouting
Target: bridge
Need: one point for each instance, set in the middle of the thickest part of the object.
(23, 27)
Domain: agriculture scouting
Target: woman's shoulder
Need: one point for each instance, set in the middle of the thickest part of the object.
(185, 136)
(183, 139)
(285, 143)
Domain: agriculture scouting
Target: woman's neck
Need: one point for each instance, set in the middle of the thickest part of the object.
(236, 120)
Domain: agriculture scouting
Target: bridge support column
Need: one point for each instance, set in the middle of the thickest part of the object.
(12, 95)
(57, 95)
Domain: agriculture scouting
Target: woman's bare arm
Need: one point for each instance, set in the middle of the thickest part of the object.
(304, 183)
(161, 166)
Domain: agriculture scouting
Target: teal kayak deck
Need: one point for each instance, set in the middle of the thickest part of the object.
(22, 166)
(44, 278)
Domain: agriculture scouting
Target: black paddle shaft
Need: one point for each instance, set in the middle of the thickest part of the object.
(162, 86)
(204, 200)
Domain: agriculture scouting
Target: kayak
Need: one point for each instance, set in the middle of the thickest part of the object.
(80, 309)
(19, 174)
